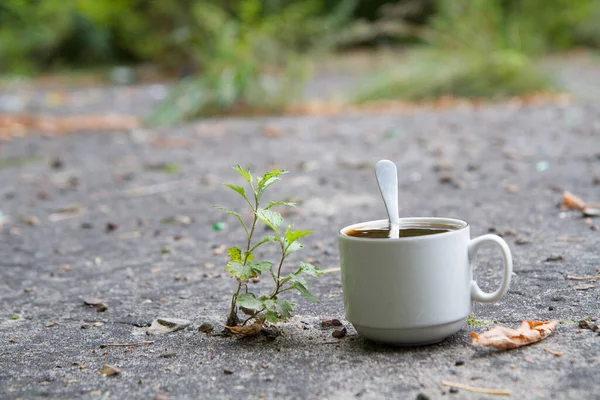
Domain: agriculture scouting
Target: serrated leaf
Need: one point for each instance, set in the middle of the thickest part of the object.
(271, 317)
(239, 189)
(280, 203)
(245, 173)
(248, 257)
(235, 254)
(261, 266)
(270, 218)
(304, 291)
(249, 301)
(240, 271)
(293, 247)
(291, 235)
(283, 308)
(309, 269)
(268, 179)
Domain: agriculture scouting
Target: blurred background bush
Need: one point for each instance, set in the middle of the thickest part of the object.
(255, 55)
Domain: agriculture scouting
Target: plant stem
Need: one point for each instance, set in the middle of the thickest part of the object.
(232, 320)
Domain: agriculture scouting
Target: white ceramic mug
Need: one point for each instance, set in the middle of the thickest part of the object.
(414, 290)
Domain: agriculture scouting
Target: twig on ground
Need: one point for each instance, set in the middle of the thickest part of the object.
(583, 278)
(554, 353)
(126, 344)
(500, 392)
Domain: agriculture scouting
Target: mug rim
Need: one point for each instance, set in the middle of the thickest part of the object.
(463, 225)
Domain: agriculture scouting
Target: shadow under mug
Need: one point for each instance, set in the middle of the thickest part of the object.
(414, 290)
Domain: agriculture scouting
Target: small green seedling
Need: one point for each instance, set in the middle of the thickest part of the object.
(243, 266)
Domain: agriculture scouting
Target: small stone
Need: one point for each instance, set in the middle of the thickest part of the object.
(168, 354)
(109, 370)
(551, 308)
(57, 163)
(28, 289)
(228, 372)
(166, 325)
(521, 240)
(459, 363)
(339, 333)
(85, 326)
(43, 195)
(422, 396)
(92, 301)
(512, 188)
(50, 324)
(591, 212)
(111, 226)
(101, 307)
(453, 390)
(31, 221)
(206, 327)
(161, 397)
(271, 332)
(557, 257)
(65, 267)
(328, 323)
(97, 324)
(583, 324)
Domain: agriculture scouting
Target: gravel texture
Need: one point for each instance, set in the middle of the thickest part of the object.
(502, 168)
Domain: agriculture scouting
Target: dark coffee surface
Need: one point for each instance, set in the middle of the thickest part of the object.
(382, 232)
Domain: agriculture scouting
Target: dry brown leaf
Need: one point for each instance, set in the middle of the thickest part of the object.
(573, 202)
(248, 330)
(504, 338)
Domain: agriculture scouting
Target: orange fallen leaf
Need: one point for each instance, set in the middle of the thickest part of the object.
(248, 330)
(573, 202)
(504, 338)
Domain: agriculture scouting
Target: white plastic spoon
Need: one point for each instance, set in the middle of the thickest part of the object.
(387, 178)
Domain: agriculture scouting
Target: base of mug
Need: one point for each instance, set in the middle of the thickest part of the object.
(412, 336)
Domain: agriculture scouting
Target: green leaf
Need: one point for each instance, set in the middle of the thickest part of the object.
(283, 308)
(304, 291)
(245, 173)
(239, 189)
(291, 235)
(295, 278)
(235, 254)
(309, 269)
(271, 317)
(261, 266)
(292, 247)
(247, 256)
(270, 218)
(241, 271)
(280, 203)
(268, 179)
(249, 301)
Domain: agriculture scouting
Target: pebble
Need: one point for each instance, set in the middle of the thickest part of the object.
(339, 333)
(327, 323)
(166, 325)
(459, 363)
(92, 301)
(206, 327)
(168, 354)
(422, 396)
(453, 390)
(228, 372)
(101, 307)
(109, 370)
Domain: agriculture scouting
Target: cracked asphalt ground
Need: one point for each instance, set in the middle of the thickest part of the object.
(91, 216)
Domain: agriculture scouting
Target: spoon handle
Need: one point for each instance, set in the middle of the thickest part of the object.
(387, 178)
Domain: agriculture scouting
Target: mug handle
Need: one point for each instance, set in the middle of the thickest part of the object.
(476, 293)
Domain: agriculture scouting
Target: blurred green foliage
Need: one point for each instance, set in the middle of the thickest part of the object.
(482, 48)
(253, 55)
